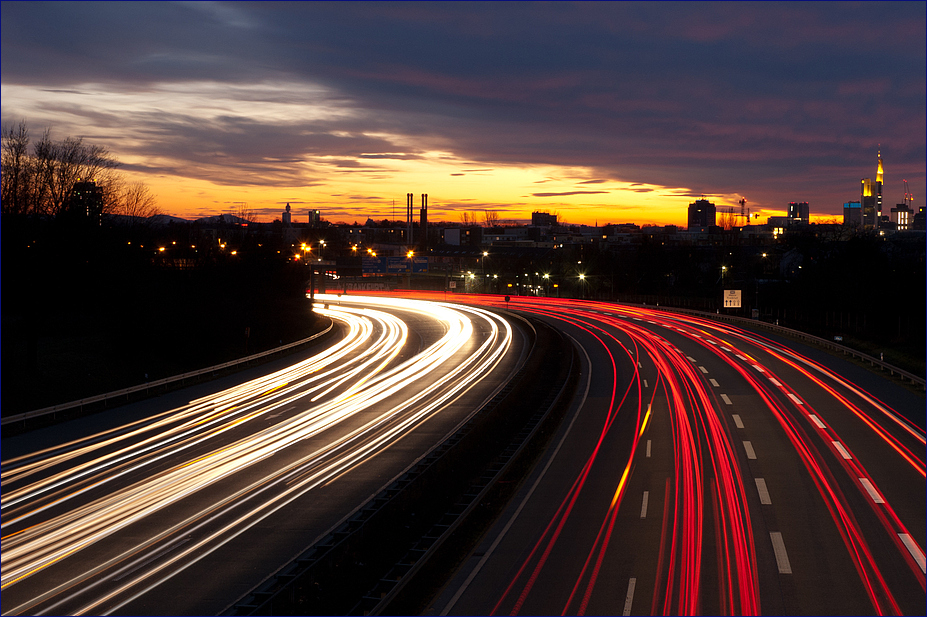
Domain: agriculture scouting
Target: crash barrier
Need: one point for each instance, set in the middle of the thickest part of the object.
(798, 334)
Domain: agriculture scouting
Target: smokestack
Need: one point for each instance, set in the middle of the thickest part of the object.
(410, 197)
(423, 223)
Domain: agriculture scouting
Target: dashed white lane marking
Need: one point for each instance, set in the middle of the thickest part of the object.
(696, 335)
(714, 382)
(741, 357)
(763, 491)
(725, 348)
(817, 420)
(703, 369)
(782, 558)
(775, 383)
(653, 322)
(648, 448)
(646, 385)
(797, 400)
(713, 343)
(644, 504)
(639, 365)
(726, 400)
(637, 319)
(690, 358)
(737, 421)
(842, 450)
(751, 454)
(914, 549)
(759, 368)
(871, 490)
(630, 597)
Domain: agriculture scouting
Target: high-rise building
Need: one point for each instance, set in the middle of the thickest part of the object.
(799, 212)
(902, 217)
(701, 214)
(870, 198)
(852, 214)
(315, 218)
(287, 216)
(543, 219)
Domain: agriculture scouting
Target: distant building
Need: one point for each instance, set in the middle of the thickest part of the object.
(870, 198)
(903, 217)
(920, 220)
(315, 218)
(287, 216)
(543, 219)
(852, 214)
(702, 214)
(86, 202)
(799, 212)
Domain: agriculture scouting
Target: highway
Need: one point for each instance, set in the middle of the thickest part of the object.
(183, 509)
(708, 469)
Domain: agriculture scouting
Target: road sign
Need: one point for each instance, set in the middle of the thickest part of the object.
(731, 298)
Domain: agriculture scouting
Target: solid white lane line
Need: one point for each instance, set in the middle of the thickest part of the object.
(646, 385)
(775, 383)
(763, 491)
(737, 421)
(871, 490)
(726, 400)
(751, 454)
(817, 420)
(914, 549)
(797, 400)
(630, 597)
(703, 369)
(782, 558)
(648, 448)
(842, 450)
(644, 504)
(714, 382)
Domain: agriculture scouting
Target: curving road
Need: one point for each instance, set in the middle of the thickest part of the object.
(708, 469)
(184, 510)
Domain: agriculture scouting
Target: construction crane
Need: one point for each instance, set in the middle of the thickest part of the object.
(743, 204)
(908, 197)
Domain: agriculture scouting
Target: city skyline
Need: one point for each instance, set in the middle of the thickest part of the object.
(596, 112)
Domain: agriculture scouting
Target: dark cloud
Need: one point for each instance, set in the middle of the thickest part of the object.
(778, 101)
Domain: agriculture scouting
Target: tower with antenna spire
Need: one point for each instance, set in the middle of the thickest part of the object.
(870, 198)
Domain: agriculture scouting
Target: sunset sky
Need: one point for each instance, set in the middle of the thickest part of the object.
(600, 112)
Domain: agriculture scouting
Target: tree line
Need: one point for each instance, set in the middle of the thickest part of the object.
(38, 178)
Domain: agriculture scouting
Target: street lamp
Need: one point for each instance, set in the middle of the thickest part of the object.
(582, 285)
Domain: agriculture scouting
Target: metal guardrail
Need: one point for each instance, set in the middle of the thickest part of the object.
(159, 382)
(822, 342)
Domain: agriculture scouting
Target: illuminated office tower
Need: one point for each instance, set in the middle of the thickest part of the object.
(870, 198)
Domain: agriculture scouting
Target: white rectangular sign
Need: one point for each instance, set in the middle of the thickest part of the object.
(731, 298)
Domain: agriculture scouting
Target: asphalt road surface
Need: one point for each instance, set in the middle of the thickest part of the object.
(708, 469)
(167, 508)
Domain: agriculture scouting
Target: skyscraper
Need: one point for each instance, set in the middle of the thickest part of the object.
(870, 198)
(799, 212)
(701, 214)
